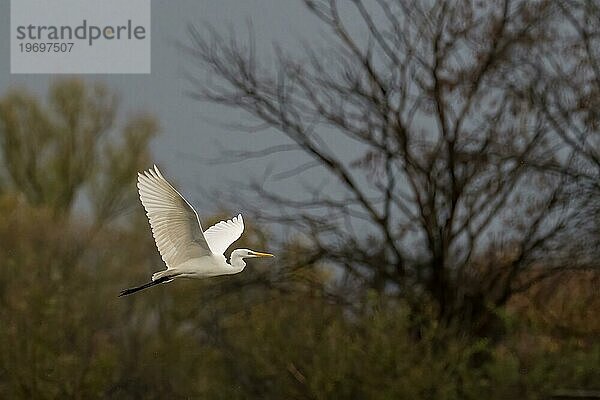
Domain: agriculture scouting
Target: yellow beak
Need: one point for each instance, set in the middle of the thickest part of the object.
(258, 254)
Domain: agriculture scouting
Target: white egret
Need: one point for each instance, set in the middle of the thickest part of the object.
(187, 250)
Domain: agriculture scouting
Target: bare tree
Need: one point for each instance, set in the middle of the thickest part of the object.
(566, 88)
(566, 91)
(447, 198)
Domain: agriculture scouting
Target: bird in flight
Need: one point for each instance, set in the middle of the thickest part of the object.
(187, 250)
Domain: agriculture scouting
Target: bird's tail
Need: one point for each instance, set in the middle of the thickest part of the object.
(132, 290)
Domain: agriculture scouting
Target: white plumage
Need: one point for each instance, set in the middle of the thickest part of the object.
(187, 250)
(222, 234)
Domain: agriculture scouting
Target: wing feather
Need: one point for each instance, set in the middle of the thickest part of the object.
(175, 224)
(222, 234)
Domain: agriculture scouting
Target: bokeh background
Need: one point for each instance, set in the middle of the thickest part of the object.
(427, 173)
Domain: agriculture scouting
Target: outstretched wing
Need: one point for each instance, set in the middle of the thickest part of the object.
(221, 235)
(174, 222)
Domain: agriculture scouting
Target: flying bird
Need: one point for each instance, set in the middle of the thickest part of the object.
(187, 250)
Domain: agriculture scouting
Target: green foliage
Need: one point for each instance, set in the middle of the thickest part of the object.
(53, 151)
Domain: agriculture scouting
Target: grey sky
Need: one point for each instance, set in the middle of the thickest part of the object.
(186, 134)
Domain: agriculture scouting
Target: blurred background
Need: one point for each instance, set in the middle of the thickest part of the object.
(427, 172)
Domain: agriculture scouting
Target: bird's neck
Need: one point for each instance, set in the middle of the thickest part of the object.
(237, 263)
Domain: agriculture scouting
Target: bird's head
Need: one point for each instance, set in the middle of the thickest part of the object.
(246, 253)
